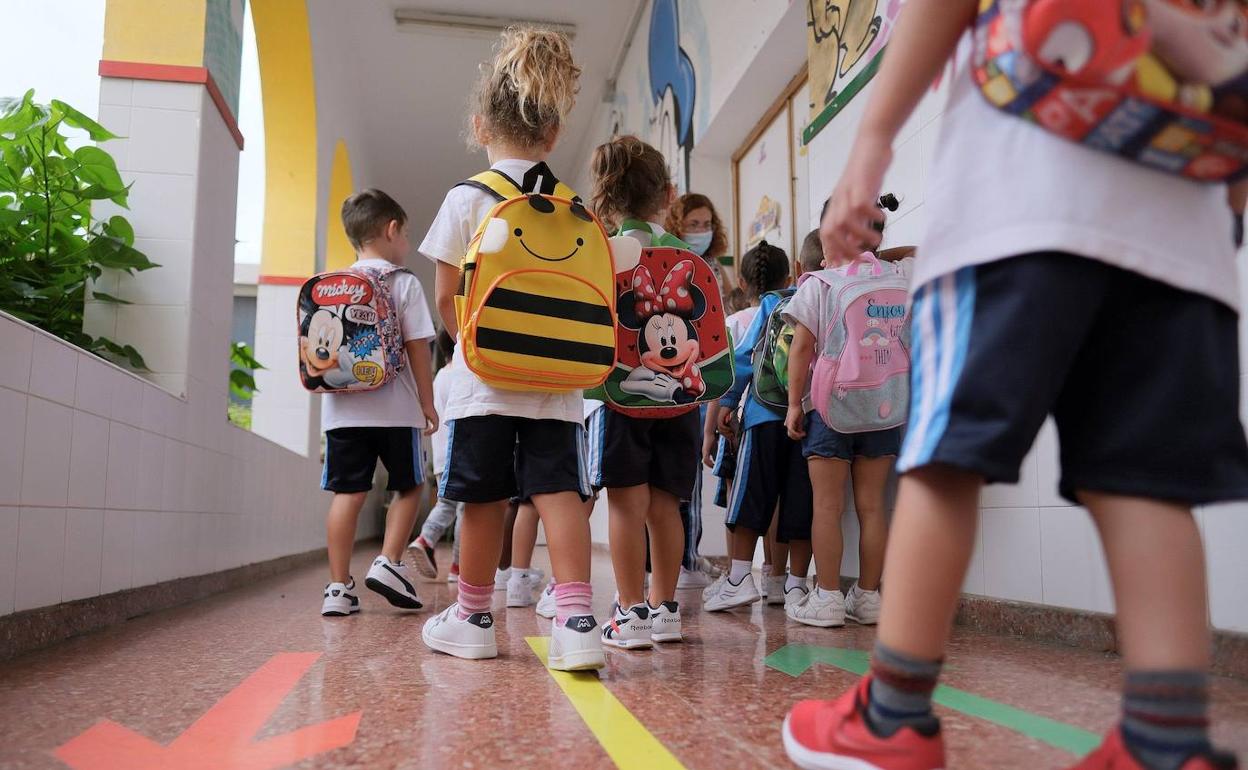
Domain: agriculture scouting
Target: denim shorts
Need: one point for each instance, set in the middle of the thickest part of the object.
(822, 441)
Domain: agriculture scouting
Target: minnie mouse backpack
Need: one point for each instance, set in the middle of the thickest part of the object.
(1161, 82)
(673, 350)
(349, 335)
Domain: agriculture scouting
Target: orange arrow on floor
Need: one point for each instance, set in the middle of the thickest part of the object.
(222, 737)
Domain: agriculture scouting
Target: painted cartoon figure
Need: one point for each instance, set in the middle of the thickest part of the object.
(323, 349)
(849, 28)
(1201, 45)
(673, 87)
(667, 341)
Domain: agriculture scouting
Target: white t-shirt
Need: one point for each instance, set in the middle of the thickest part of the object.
(395, 404)
(739, 321)
(441, 388)
(447, 241)
(1000, 187)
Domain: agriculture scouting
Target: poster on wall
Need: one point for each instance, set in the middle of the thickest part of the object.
(845, 41)
(765, 224)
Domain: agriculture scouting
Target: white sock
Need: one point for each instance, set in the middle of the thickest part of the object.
(502, 574)
(740, 568)
(793, 581)
(767, 571)
(823, 593)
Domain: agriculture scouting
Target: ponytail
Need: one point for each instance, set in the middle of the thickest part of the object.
(764, 268)
(529, 88)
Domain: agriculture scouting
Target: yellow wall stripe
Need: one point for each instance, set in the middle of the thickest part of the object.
(339, 254)
(629, 744)
(155, 33)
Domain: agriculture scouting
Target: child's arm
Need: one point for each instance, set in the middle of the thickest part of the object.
(743, 365)
(422, 369)
(801, 351)
(926, 33)
(710, 443)
(445, 284)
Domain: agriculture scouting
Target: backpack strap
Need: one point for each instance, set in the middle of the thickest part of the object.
(499, 186)
(666, 239)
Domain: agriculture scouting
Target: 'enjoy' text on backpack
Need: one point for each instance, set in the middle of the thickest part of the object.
(349, 335)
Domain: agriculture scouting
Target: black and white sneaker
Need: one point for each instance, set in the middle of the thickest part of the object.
(422, 557)
(665, 623)
(393, 581)
(575, 646)
(340, 600)
(629, 629)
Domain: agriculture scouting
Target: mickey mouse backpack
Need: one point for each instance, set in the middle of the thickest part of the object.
(349, 335)
(1161, 82)
(673, 349)
(861, 378)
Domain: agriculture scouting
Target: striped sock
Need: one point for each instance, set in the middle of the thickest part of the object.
(901, 692)
(1165, 717)
(474, 599)
(572, 599)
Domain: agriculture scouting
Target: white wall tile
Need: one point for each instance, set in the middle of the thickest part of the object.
(88, 461)
(159, 333)
(1072, 563)
(1226, 537)
(116, 90)
(16, 349)
(173, 476)
(45, 468)
(1048, 467)
(974, 582)
(164, 141)
(1012, 554)
(84, 542)
(116, 118)
(162, 205)
(169, 284)
(8, 557)
(13, 446)
(53, 370)
(99, 319)
(127, 400)
(123, 466)
(117, 551)
(151, 460)
(146, 547)
(40, 557)
(166, 95)
(95, 384)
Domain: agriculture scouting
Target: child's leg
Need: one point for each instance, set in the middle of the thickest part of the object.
(628, 508)
(509, 522)
(567, 534)
(775, 552)
(482, 535)
(827, 482)
(870, 475)
(440, 519)
(459, 523)
(524, 536)
(666, 545)
(400, 518)
(800, 553)
(344, 512)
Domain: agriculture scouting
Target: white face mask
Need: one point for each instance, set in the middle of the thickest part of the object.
(699, 242)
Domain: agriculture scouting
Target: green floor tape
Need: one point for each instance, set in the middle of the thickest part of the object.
(795, 659)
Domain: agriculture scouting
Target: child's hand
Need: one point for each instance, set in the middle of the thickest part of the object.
(725, 420)
(847, 227)
(431, 419)
(710, 447)
(795, 423)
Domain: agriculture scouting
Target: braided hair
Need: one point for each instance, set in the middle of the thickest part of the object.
(764, 268)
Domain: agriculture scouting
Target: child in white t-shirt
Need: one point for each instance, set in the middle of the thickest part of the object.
(384, 424)
(446, 513)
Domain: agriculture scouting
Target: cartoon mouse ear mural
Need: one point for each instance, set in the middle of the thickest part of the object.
(673, 87)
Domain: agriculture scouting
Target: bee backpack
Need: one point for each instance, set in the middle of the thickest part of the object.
(349, 335)
(861, 378)
(672, 346)
(537, 308)
(1160, 82)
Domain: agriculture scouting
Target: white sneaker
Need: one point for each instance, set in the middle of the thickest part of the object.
(472, 638)
(824, 609)
(520, 587)
(795, 596)
(665, 623)
(393, 581)
(863, 607)
(421, 556)
(773, 588)
(546, 604)
(500, 579)
(575, 645)
(340, 600)
(629, 629)
(723, 594)
(695, 578)
(764, 589)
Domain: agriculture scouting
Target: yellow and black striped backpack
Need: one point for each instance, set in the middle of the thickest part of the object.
(536, 308)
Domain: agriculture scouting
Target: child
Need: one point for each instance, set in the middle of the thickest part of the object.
(384, 423)
(445, 513)
(770, 468)
(505, 443)
(833, 458)
(1060, 295)
(522, 579)
(647, 466)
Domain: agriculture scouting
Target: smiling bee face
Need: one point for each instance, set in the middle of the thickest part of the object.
(550, 233)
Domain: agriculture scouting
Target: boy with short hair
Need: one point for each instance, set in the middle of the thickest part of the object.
(384, 424)
(810, 258)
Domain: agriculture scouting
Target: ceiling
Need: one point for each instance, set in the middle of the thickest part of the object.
(400, 97)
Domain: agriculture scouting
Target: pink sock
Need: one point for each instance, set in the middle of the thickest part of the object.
(474, 599)
(572, 599)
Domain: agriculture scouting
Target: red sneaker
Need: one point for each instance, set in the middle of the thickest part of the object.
(833, 735)
(1112, 754)
(453, 575)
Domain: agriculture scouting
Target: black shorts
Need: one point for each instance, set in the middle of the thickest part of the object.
(771, 471)
(1142, 378)
(351, 456)
(626, 451)
(497, 457)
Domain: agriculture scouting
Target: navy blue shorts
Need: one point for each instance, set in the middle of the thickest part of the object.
(351, 456)
(725, 470)
(498, 457)
(771, 471)
(626, 451)
(1142, 378)
(824, 442)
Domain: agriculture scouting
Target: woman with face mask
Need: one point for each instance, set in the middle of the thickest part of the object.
(693, 219)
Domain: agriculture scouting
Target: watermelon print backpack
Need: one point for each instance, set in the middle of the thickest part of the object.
(1163, 83)
(771, 357)
(861, 379)
(349, 335)
(673, 349)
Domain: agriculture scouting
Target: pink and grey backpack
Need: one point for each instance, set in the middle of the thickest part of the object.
(861, 379)
(350, 340)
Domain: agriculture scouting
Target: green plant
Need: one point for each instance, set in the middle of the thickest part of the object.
(243, 362)
(51, 244)
(240, 415)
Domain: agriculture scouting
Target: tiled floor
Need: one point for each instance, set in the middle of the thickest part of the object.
(711, 701)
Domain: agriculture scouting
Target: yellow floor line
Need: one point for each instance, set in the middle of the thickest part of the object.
(627, 741)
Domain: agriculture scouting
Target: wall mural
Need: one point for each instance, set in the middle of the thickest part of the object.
(673, 91)
(844, 42)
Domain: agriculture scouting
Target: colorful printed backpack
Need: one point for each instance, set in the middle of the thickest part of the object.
(1160, 82)
(861, 379)
(672, 345)
(537, 307)
(771, 356)
(349, 335)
